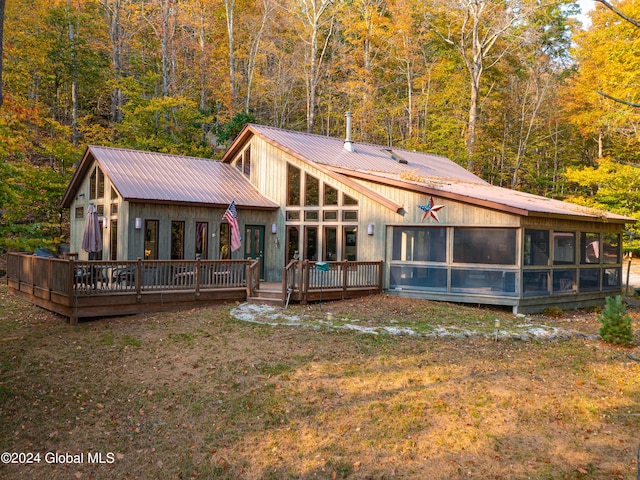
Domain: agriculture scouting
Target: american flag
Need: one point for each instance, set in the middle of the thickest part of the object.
(231, 216)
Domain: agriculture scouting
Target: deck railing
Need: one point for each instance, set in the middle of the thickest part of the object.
(302, 279)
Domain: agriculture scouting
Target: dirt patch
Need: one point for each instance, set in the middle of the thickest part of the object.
(199, 394)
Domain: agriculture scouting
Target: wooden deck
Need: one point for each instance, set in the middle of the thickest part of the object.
(81, 289)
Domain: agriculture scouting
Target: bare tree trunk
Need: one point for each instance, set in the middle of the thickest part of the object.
(2, 2)
(253, 52)
(229, 6)
(74, 75)
(113, 12)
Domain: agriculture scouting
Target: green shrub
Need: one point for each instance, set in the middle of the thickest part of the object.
(553, 312)
(616, 324)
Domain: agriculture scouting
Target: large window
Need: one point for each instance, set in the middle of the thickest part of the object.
(293, 243)
(96, 184)
(480, 281)
(151, 239)
(177, 240)
(536, 247)
(350, 243)
(535, 283)
(496, 246)
(312, 190)
(202, 235)
(564, 281)
(311, 243)
(418, 277)
(426, 244)
(330, 244)
(293, 185)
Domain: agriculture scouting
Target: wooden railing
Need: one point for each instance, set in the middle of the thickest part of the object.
(96, 288)
(303, 281)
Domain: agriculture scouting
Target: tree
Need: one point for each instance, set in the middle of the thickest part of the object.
(2, 2)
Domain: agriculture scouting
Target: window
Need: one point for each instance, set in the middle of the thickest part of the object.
(96, 184)
(114, 209)
(243, 163)
(496, 246)
(177, 240)
(100, 209)
(564, 248)
(536, 247)
(114, 194)
(589, 248)
(312, 191)
(293, 243)
(330, 244)
(350, 243)
(311, 243)
(293, 215)
(151, 230)
(113, 248)
(202, 236)
(225, 241)
(349, 216)
(347, 200)
(611, 248)
(330, 195)
(611, 279)
(330, 215)
(311, 216)
(79, 212)
(427, 244)
(293, 182)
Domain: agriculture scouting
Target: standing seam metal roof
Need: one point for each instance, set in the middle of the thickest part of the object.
(159, 177)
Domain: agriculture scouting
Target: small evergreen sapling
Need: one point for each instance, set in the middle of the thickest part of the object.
(616, 324)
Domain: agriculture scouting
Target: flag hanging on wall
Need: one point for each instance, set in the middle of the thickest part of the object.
(231, 216)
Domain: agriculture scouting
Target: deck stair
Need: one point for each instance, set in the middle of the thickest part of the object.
(268, 293)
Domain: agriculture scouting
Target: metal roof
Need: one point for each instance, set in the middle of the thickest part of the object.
(417, 171)
(162, 178)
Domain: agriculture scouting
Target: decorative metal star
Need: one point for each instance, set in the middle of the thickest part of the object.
(430, 210)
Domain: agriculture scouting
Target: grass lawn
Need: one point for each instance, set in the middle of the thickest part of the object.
(199, 394)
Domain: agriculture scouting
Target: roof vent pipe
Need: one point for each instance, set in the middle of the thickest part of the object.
(348, 144)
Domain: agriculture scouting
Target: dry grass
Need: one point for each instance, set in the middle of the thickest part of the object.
(198, 394)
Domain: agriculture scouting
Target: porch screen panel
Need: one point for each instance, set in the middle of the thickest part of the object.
(589, 248)
(418, 277)
(564, 248)
(495, 246)
(610, 248)
(483, 282)
(536, 247)
(589, 279)
(564, 281)
(611, 278)
(426, 244)
(535, 283)
(151, 239)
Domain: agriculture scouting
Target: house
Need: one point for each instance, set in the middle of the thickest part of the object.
(442, 232)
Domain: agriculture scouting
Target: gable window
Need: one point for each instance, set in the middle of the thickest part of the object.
(243, 163)
(330, 195)
(202, 229)
(347, 200)
(312, 191)
(96, 184)
(151, 228)
(293, 185)
(177, 240)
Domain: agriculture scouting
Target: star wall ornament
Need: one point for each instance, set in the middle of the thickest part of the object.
(430, 210)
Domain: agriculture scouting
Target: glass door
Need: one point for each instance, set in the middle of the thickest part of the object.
(254, 244)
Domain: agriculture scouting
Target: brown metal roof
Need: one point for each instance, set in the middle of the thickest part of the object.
(423, 172)
(162, 178)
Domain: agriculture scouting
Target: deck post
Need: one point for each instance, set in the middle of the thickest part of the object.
(248, 272)
(139, 279)
(304, 270)
(380, 276)
(345, 278)
(197, 277)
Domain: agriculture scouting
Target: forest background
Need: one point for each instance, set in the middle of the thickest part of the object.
(518, 91)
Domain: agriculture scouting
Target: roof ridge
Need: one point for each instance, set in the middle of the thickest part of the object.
(148, 152)
(338, 139)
